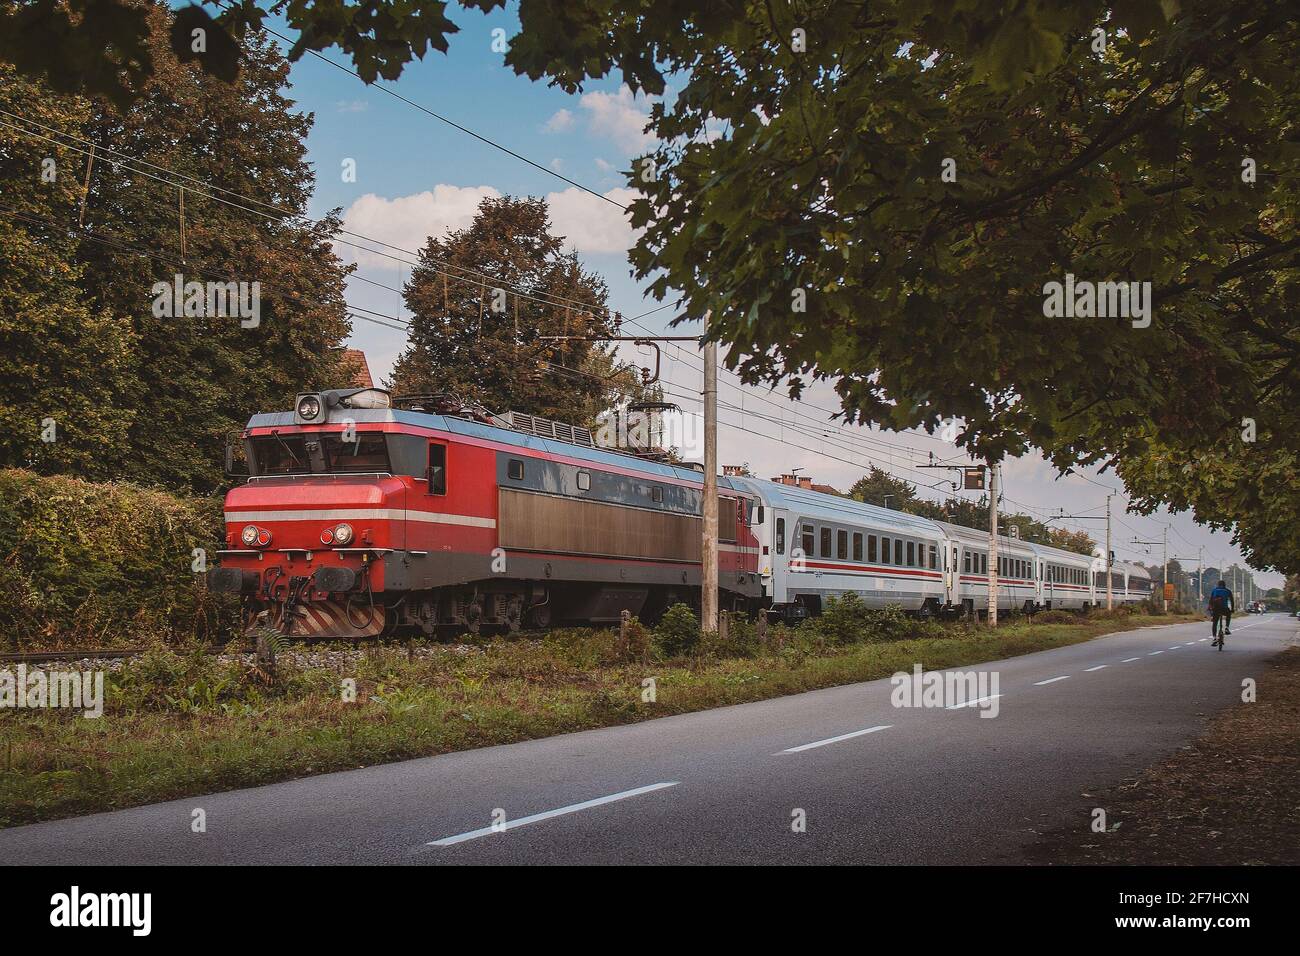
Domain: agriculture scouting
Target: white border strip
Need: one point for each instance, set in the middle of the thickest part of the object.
(362, 514)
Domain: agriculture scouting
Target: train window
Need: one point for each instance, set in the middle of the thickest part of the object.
(842, 545)
(857, 546)
(780, 536)
(515, 469)
(280, 455)
(934, 558)
(871, 548)
(984, 563)
(884, 550)
(656, 494)
(808, 540)
(760, 515)
(584, 481)
(367, 452)
(911, 554)
(966, 562)
(437, 475)
(826, 542)
(898, 551)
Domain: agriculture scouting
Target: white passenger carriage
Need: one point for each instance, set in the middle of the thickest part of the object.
(815, 546)
(967, 571)
(1063, 579)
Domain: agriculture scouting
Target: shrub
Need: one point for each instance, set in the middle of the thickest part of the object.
(741, 640)
(892, 623)
(109, 563)
(844, 619)
(678, 632)
(1057, 616)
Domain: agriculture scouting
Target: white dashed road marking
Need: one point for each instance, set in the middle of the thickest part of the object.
(538, 817)
(1052, 680)
(972, 703)
(1089, 670)
(1154, 653)
(835, 740)
(1130, 660)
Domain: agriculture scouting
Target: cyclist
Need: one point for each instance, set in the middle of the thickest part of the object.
(1221, 608)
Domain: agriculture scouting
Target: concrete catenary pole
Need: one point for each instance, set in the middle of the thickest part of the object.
(993, 545)
(1110, 596)
(1166, 591)
(709, 544)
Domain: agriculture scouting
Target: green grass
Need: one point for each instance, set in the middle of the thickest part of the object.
(179, 724)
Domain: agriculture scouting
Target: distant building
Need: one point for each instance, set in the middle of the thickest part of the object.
(803, 481)
(356, 369)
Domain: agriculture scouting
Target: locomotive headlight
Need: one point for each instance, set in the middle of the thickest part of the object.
(309, 407)
(343, 534)
(249, 535)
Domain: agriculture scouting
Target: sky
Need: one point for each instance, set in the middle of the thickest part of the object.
(416, 176)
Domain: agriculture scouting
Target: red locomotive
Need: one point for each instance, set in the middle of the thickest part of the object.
(364, 514)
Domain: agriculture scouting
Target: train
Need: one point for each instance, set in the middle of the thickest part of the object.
(364, 514)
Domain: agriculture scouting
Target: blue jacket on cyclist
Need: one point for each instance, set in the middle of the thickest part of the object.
(1221, 600)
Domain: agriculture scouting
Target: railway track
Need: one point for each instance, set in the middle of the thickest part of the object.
(75, 654)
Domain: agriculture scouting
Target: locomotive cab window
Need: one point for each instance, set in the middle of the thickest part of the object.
(808, 543)
(515, 470)
(437, 469)
(656, 494)
(584, 481)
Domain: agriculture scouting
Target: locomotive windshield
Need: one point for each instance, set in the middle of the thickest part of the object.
(320, 454)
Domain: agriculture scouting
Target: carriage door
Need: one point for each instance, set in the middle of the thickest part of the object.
(1038, 581)
(950, 566)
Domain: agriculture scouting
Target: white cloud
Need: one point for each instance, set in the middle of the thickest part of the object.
(603, 166)
(561, 122)
(408, 221)
(351, 106)
(590, 224)
(620, 117)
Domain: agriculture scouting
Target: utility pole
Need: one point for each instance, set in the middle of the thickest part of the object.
(993, 543)
(1110, 597)
(1164, 542)
(709, 544)
(1165, 595)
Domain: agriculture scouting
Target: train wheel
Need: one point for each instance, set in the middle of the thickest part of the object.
(474, 618)
(539, 616)
(514, 616)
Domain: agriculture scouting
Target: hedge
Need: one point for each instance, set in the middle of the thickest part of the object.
(87, 564)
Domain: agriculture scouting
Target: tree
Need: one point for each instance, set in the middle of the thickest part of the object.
(877, 484)
(482, 342)
(907, 173)
(63, 365)
(1077, 541)
(189, 383)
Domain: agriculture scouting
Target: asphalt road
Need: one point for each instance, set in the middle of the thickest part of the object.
(874, 783)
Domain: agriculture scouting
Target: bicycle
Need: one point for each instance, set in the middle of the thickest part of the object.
(1219, 628)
